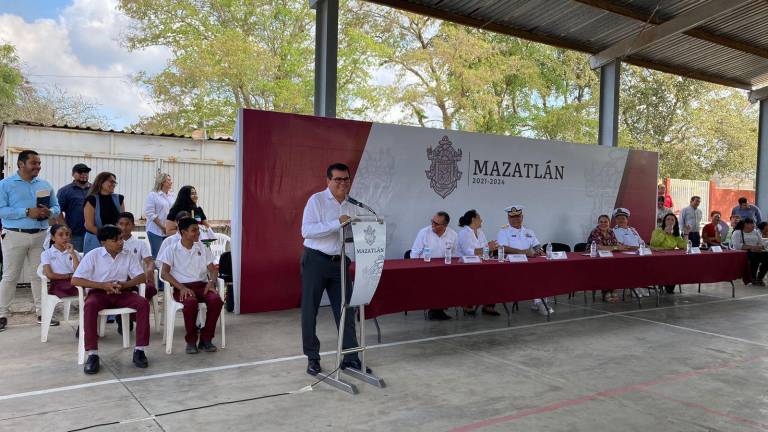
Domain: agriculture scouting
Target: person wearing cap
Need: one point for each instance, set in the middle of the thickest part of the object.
(72, 200)
(690, 221)
(628, 237)
(518, 239)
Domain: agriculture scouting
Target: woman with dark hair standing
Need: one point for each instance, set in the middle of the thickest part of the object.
(186, 200)
(102, 207)
(471, 241)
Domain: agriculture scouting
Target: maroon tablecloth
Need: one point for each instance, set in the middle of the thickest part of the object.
(416, 285)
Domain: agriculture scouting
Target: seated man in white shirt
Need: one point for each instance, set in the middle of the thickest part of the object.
(111, 273)
(188, 265)
(434, 238)
(628, 237)
(140, 251)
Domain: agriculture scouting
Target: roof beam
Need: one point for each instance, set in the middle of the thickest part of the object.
(680, 23)
(756, 96)
(698, 33)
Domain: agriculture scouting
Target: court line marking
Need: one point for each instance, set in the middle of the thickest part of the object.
(385, 345)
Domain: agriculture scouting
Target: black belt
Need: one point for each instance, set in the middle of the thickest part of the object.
(26, 231)
(324, 255)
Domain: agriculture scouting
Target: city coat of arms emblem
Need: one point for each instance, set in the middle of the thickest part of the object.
(443, 171)
(370, 235)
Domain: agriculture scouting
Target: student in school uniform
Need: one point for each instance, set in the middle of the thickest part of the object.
(141, 252)
(111, 273)
(175, 237)
(59, 262)
(188, 265)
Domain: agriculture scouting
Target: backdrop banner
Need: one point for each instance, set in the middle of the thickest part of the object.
(407, 174)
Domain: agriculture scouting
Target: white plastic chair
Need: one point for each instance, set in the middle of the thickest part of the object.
(125, 316)
(221, 245)
(48, 304)
(172, 306)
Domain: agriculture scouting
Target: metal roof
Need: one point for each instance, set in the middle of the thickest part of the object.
(92, 129)
(727, 44)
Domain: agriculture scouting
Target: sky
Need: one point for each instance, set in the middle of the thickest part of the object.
(75, 45)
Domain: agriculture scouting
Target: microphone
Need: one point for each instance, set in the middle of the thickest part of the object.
(359, 204)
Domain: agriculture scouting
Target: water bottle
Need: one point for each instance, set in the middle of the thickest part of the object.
(593, 250)
(548, 251)
(641, 250)
(427, 254)
(501, 253)
(688, 247)
(486, 253)
(447, 253)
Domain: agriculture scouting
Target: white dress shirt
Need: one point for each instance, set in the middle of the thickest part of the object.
(60, 261)
(427, 238)
(691, 217)
(627, 236)
(99, 266)
(468, 241)
(168, 241)
(137, 248)
(522, 239)
(157, 205)
(187, 265)
(320, 223)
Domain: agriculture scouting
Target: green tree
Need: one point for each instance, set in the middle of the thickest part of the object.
(11, 80)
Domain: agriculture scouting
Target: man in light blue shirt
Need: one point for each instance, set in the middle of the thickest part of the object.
(26, 204)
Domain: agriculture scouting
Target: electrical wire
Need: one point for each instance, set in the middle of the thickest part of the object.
(155, 416)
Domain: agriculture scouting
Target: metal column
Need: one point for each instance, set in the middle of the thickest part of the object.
(761, 182)
(326, 48)
(610, 83)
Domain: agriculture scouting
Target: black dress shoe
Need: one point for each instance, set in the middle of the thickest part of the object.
(354, 364)
(140, 359)
(3, 323)
(191, 349)
(207, 346)
(313, 367)
(437, 315)
(54, 322)
(91, 365)
(490, 311)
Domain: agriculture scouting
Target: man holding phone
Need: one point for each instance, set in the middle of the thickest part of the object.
(26, 203)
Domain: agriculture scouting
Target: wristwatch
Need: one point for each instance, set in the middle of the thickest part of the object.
(26, 212)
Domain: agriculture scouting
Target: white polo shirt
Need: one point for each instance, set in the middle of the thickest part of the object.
(468, 241)
(522, 239)
(137, 248)
(60, 261)
(164, 245)
(187, 265)
(99, 266)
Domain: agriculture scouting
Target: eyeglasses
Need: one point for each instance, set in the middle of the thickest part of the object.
(438, 224)
(340, 180)
(112, 182)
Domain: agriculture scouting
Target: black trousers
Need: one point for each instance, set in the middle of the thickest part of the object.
(319, 272)
(758, 265)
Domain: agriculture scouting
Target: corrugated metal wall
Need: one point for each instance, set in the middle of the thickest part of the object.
(682, 191)
(212, 181)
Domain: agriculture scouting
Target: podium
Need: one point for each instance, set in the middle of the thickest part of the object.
(369, 237)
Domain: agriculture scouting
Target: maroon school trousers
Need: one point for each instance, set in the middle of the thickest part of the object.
(62, 288)
(213, 303)
(99, 299)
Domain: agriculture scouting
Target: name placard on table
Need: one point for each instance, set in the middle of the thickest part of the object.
(716, 248)
(695, 250)
(517, 258)
(470, 259)
(557, 256)
(604, 253)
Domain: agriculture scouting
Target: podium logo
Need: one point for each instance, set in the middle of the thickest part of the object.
(370, 235)
(444, 171)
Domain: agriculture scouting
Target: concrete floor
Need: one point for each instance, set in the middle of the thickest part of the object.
(698, 363)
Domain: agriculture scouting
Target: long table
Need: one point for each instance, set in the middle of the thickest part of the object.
(417, 285)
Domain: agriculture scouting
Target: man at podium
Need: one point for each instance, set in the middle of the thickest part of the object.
(321, 267)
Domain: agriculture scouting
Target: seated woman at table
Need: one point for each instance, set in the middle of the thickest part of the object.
(605, 239)
(667, 237)
(715, 232)
(746, 237)
(763, 228)
(471, 241)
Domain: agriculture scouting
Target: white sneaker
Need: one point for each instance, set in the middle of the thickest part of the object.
(535, 305)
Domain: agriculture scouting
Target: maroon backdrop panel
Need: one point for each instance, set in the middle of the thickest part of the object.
(284, 161)
(638, 191)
